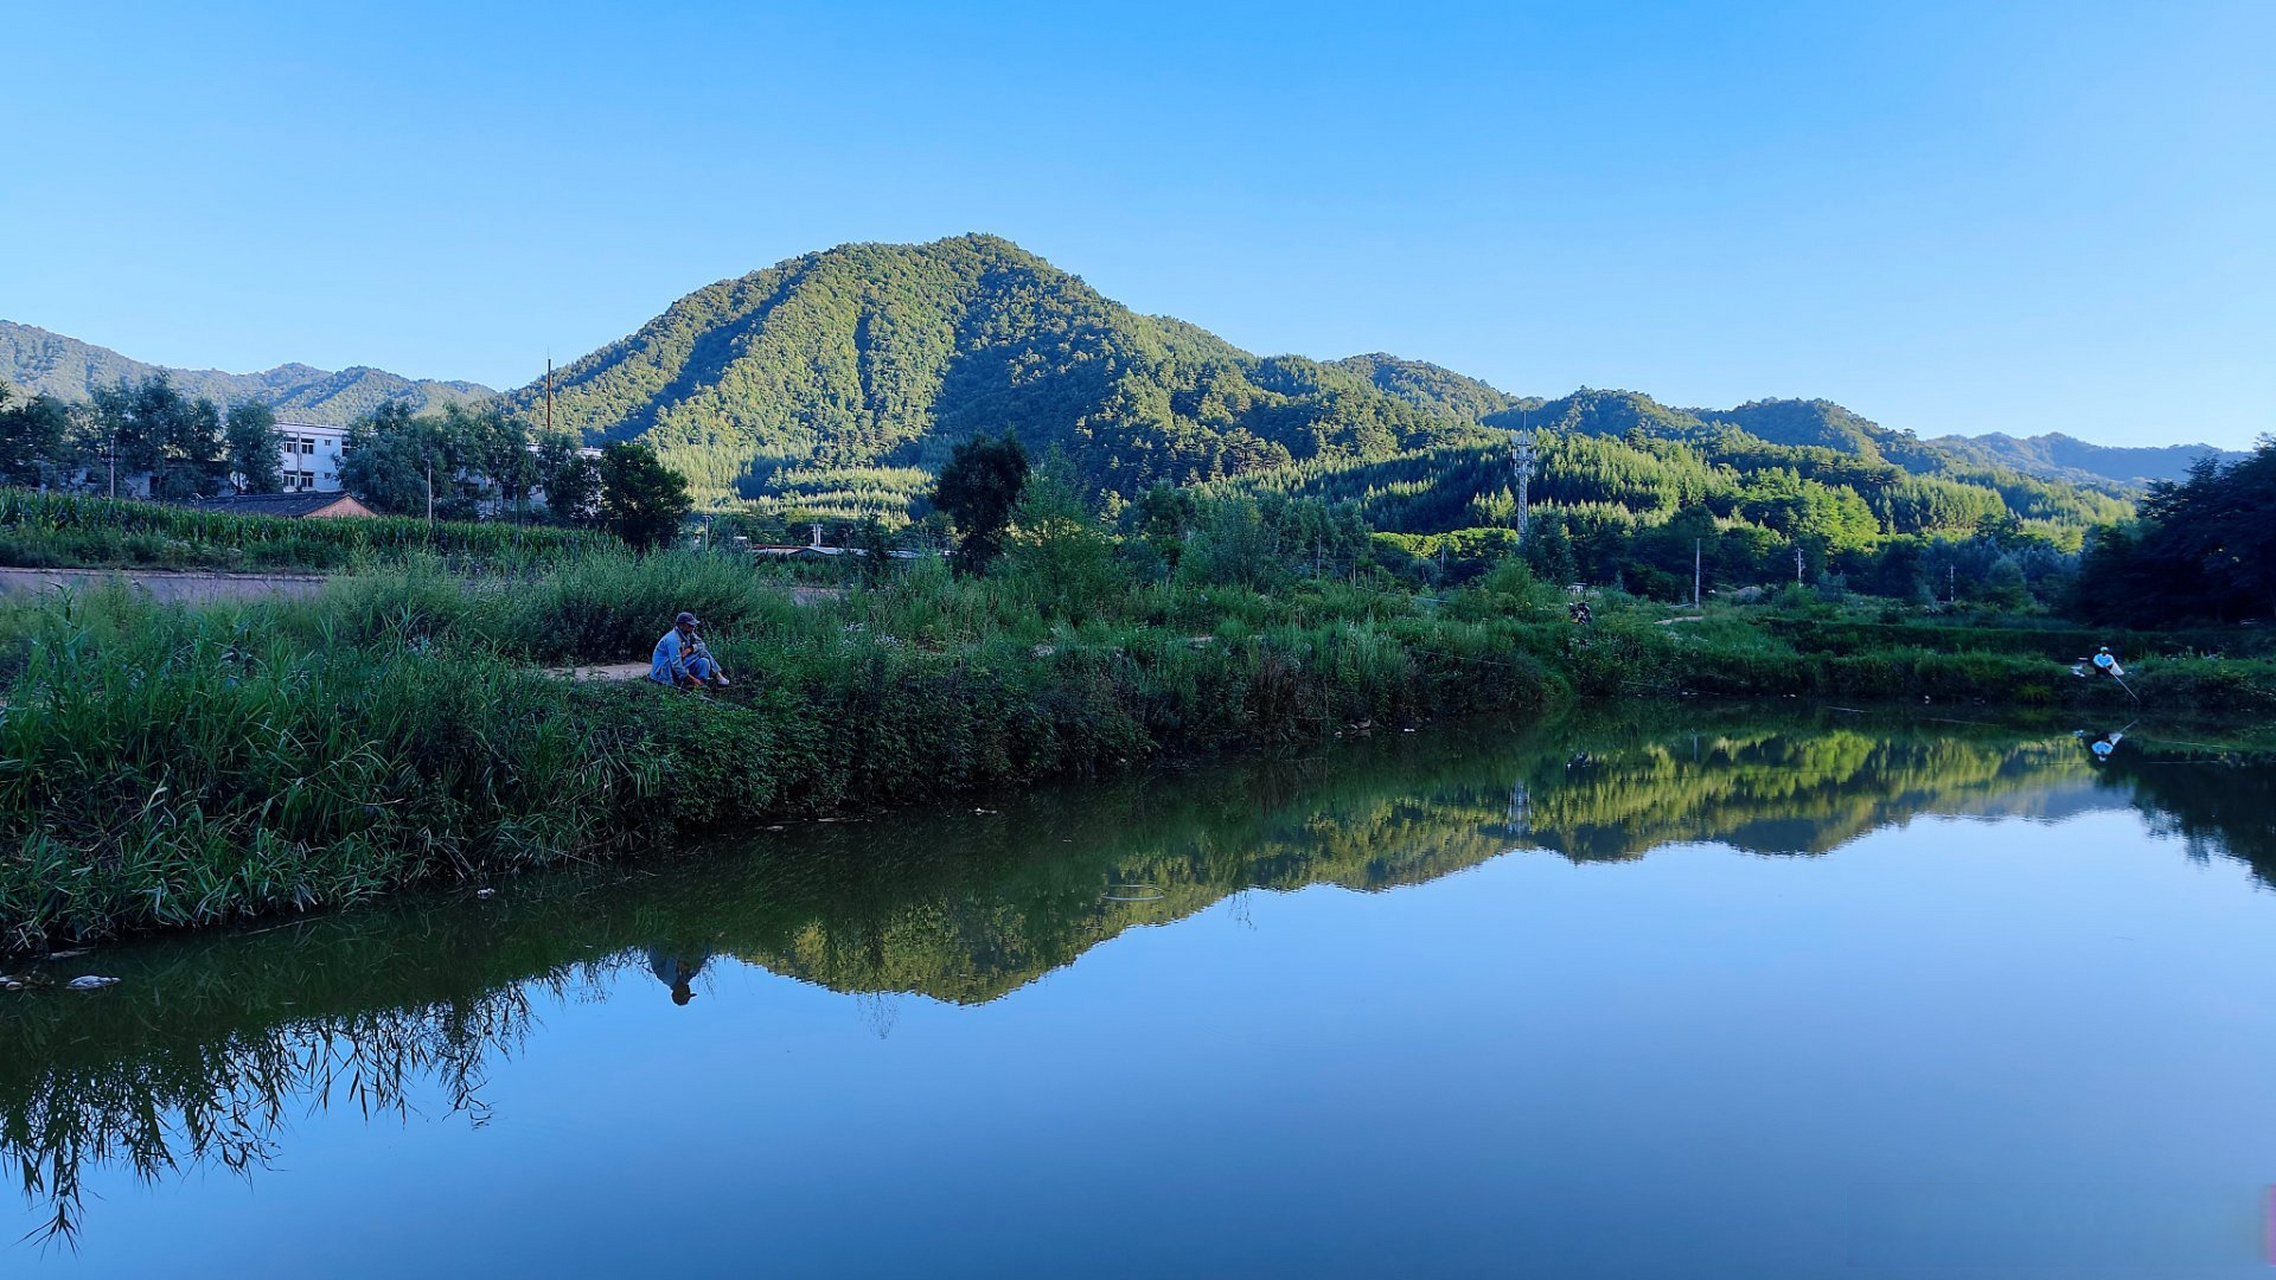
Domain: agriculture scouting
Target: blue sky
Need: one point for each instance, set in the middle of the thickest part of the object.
(1966, 217)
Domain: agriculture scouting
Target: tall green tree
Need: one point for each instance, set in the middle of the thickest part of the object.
(35, 443)
(497, 454)
(410, 464)
(571, 481)
(643, 500)
(1055, 549)
(254, 447)
(149, 428)
(978, 490)
(2203, 550)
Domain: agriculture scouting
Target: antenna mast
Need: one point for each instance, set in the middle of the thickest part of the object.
(1521, 462)
(549, 395)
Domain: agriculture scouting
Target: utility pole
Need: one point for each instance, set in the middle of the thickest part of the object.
(1521, 462)
(549, 395)
(1797, 564)
(430, 489)
(1695, 577)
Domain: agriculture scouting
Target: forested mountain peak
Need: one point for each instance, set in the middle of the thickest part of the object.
(881, 356)
(1434, 388)
(39, 362)
(834, 383)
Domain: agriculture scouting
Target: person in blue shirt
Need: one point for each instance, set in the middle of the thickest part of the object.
(681, 660)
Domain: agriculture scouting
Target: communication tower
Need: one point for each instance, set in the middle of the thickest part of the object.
(1521, 463)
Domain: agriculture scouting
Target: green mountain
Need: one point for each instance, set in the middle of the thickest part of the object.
(874, 356)
(37, 362)
(1622, 459)
(2061, 457)
(1434, 389)
(834, 383)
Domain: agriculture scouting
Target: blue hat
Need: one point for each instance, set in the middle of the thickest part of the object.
(686, 620)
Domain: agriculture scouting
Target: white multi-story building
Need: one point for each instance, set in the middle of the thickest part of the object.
(311, 458)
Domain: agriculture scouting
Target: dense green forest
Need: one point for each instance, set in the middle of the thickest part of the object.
(2204, 550)
(831, 387)
(884, 356)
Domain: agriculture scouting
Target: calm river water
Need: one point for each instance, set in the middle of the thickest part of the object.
(1662, 994)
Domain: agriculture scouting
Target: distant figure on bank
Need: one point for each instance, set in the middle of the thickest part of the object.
(681, 660)
(677, 969)
(2106, 662)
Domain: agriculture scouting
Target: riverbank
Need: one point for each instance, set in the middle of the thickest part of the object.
(168, 767)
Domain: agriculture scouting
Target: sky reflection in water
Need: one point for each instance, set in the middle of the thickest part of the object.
(2016, 1025)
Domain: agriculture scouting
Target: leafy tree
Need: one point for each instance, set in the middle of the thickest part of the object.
(497, 454)
(1549, 553)
(409, 465)
(34, 439)
(1233, 545)
(876, 544)
(2203, 550)
(1056, 552)
(571, 480)
(642, 500)
(254, 448)
(978, 489)
(151, 429)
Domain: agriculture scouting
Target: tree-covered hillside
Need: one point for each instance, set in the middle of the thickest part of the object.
(884, 356)
(38, 362)
(829, 385)
(1622, 459)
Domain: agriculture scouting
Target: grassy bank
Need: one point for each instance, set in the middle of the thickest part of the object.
(168, 767)
(50, 530)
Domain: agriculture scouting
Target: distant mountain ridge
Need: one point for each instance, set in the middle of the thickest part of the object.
(2062, 457)
(873, 356)
(38, 362)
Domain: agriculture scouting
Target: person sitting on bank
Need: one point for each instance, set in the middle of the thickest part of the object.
(681, 660)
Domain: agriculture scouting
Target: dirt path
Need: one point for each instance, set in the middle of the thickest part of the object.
(602, 671)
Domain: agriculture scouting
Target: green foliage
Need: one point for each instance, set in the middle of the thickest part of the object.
(571, 481)
(178, 766)
(59, 530)
(2203, 550)
(449, 464)
(977, 490)
(642, 500)
(35, 439)
(883, 356)
(1056, 554)
(253, 447)
(151, 428)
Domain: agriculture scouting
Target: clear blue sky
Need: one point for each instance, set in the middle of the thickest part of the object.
(1951, 217)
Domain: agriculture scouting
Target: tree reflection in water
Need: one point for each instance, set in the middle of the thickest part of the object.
(211, 1044)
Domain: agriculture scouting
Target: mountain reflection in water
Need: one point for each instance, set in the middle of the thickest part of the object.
(212, 1045)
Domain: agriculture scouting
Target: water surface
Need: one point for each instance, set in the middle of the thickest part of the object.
(1697, 993)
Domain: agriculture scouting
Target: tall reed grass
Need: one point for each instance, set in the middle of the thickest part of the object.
(165, 766)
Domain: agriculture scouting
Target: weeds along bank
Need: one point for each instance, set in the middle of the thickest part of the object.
(167, 766)
(55, 530)
(172, 766)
